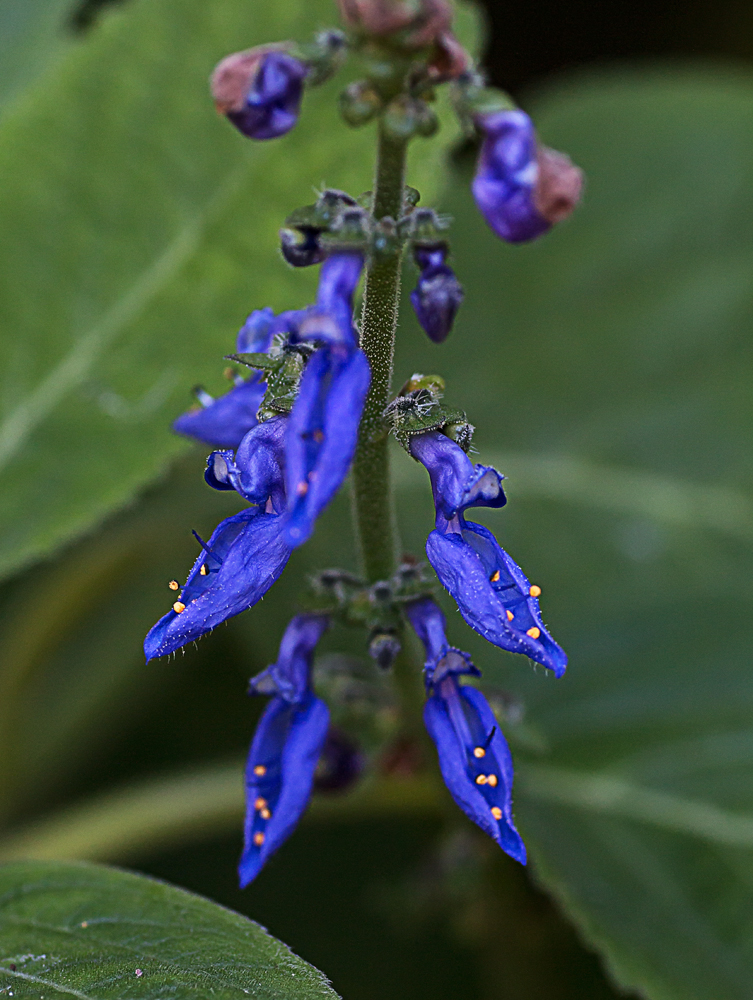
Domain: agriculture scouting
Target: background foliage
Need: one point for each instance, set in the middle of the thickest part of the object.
(607, 368)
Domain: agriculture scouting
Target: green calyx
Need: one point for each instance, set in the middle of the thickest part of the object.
(419, 408)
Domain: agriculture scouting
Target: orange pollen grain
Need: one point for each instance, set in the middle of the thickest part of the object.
(174, 585)
(535, 591)
(260, 803)
(534, 632)
(318, 436)
(302, 489)
(494, 577)
(481, 780)
(178, 607)
(258, 839)
(491, 779)
(479, 752)
(496, 812)
(203, 569)
(260, 770)
(510, 616)
(265, 814)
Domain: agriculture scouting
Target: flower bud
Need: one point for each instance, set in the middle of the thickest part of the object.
(406, 117)
(259, 90)
(359, 103)
(438, 294)
(302, 248)
(383, 648)
(420, 22)
(520, 188)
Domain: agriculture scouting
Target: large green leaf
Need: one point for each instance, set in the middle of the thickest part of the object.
(612, 362)
(32, 34)
(96, 933)
(138, 231)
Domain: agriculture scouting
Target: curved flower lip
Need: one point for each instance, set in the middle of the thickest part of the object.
(456, 482)
(330, 321)
(280, 773)
(290, 676)
(225, 421)
(322, 436)
(256, 333)
(492, 593)
(428, 622)
(244, 556)
(459, 721)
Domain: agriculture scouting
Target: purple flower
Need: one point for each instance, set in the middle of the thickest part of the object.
(323, 426)
(260, 91)
(522, 189)
(438, 294)
(224, 422)
(244, 555)
(491, 590)
(474, 758)
(286, 746)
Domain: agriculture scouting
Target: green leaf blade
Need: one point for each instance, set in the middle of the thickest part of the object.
(98, 933)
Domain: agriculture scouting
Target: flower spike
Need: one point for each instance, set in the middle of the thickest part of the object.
(474, 758)
(244, 555)
(286, 746)
(492, 592)
(522, 189)
(260, 91)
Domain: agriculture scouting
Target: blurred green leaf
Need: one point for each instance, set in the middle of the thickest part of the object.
(612, 362)
(32, 34)
(138, 231)
(90, 932)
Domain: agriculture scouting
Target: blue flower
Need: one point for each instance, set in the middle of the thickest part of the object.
(260, 91)
(244, 555)
(520, 187)
(323, 425)
(438, 294)
(286, 746)
(491, 590)
(474, 758)
(224, 422)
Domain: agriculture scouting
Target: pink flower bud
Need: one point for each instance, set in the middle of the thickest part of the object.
(422, 20)
(559, 185)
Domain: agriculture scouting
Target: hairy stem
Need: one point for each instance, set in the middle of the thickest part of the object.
(372, 493)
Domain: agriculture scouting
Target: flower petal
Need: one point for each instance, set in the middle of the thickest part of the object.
(279, 776)
(290, 676)
(227, 419)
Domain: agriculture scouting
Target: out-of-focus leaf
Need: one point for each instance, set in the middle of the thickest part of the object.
(613, 361)
(32, 34)
(138, 231)
(92, 932)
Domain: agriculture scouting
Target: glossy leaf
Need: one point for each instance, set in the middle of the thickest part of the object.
(617, 364)
(97, 933)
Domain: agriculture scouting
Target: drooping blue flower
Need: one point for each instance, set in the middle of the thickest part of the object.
(224, 422)
(438, 294)
(492, 592)
(244, 555)
(260, 91)
(521, 188)
(286, 746)
(474, 758)
(323, 425)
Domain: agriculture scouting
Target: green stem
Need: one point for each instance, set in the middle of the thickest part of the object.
(372, 494)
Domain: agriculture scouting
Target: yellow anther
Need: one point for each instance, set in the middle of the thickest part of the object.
(496, 812)
(302, 489)
(510, 616)
(258, 839)
(178, 607)
(318, 436)
(535, 591)
(174, 585)
(260, 770)
(491, 779)
(203, 569)
(260, 803)
(481, 780)
(494, 577)
(265, 814)
(479, 752)
(534, 632)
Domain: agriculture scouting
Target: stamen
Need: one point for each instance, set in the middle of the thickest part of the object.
(491, 779)
(204, 546)
(260, 804)
(174, 585)
(496, 812)
(479, 752)
(258, 839)
(490, 737)
(535, 591)
(260, 770)
(179, 607)
(481, 779)
(534, 632)
(494, 577)
(510, 616)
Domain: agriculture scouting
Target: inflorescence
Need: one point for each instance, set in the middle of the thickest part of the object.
(285, 436)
